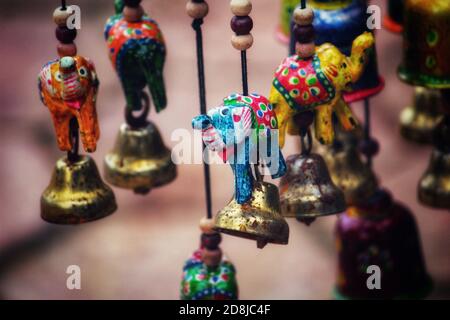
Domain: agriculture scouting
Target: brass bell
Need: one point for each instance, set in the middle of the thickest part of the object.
(434, 187)
(418, 121)
(259, 219)
(307, 191)
(76, 193)
(350, 174)
(139, 160)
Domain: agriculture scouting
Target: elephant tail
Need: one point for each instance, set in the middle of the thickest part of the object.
(153, 72)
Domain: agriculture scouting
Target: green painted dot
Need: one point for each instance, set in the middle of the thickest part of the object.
(315, 91)
(263, 106)
(285, 72)
(311, 80)
(273, 122)
(305, 96)
(294, 80)
(432, 38)
(294, 93)
(431, 62)
(247, 99)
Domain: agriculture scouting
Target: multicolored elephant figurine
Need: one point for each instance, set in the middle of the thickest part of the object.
(137, 52)
(68, 87)
(200, 282)
(317, 84)
(240, 122)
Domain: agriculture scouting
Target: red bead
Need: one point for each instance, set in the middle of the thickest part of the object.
(304, 34)
(211, 241)
(65, 35)
(241, 25)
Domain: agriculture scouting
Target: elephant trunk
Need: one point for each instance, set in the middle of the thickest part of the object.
(73, 92)
(361, 48)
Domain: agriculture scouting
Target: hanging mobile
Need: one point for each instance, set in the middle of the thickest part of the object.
(139, 159)
(68, 86)
(238, 129)
(207, 275)
(308, 88)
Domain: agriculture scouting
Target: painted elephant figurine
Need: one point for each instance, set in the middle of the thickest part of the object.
(317, 84)
(68, 87)
(240, 122)
(137, 52)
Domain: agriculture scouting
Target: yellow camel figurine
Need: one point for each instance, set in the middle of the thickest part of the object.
(316, 84)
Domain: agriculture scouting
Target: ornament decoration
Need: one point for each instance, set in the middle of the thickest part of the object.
(139, 159)
(207, 275)
(68, 87)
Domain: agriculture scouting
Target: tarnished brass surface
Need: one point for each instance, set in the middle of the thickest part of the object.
(139, 160)
(259, 219)
(418, 121)
(434, 187)
(307, 190)
(76, 193)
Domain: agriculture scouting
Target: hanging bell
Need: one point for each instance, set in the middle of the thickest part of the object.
(434, 187)
(350, 174)
(76, 193)
(393, 21)
(339, 22)
(418, 121)
(306, 191)
(139, 160)
(380, 237)
(258, 219)
(425, 45)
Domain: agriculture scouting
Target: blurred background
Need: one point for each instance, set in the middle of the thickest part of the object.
(138, 252)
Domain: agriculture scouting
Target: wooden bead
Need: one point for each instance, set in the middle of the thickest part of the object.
(60, 16)
(132, 3)
(207, 225)
(304, 34)
(69, 49)
(241, 25)
(133, 14)
(305, 50)
(242, 42)
(241, 7)
(65, 35)
(303, 17)
(197, 10)
(211, 241)
(212, 258)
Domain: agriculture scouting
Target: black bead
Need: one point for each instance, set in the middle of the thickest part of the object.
(241, 25)
(369, 148)
(65, 35)
(211, 241)
(198, 1)
(132, 3)
(304, 119)
(304, 34)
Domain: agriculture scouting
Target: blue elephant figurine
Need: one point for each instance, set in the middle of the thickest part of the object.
(137, 52)
(236, 130)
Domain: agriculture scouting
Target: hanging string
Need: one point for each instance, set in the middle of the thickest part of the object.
(367, 136)
(196, 25)
(63, 5)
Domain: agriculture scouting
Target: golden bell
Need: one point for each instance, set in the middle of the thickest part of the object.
(307, 191)
(418, 121)
(76, 193)
(434, 187)
(139, 160)
(259, 219)
(350, 174)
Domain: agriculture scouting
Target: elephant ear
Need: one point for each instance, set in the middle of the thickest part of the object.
(242, 121)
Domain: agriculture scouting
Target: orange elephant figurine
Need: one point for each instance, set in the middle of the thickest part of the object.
(68, 87)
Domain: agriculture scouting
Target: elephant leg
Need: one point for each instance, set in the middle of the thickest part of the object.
(345, 115)
(153, 71)
(323, 124)
(284, 113)
(61, 122)
(243, 182)
(88, 123)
